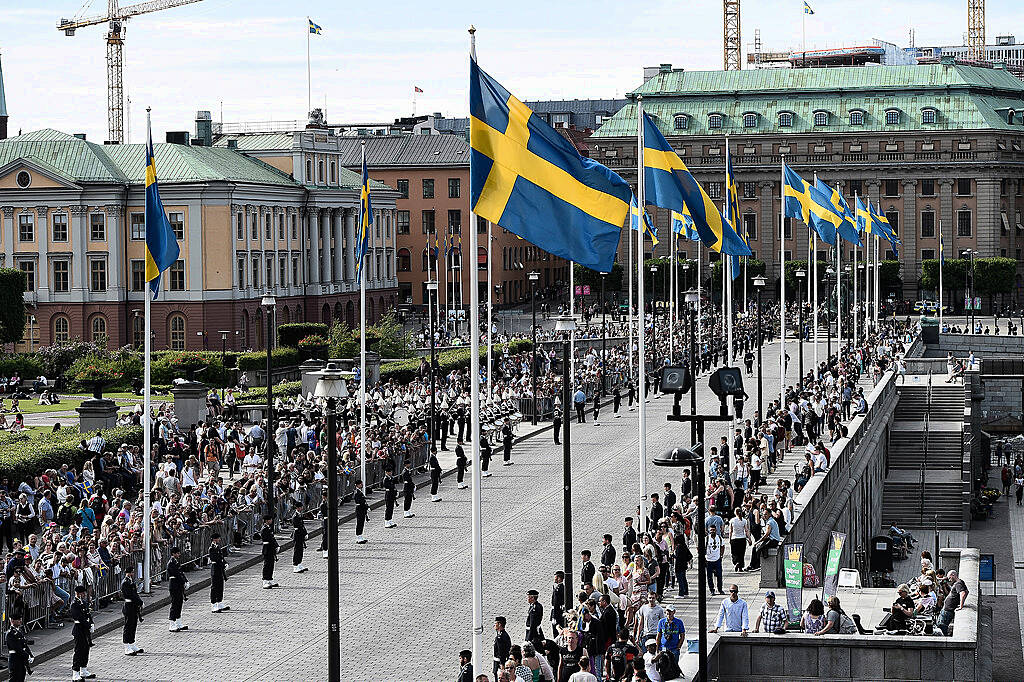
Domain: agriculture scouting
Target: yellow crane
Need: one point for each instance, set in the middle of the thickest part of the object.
(115, 18)
(976, 30)
(731, 35)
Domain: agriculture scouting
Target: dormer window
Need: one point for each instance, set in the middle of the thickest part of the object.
(681, 122)
(1009, 116)
(715, 121)
(892, 117)
(856, 118)
(821, 118)
(928, 115)
(749, 120)
(785, 120)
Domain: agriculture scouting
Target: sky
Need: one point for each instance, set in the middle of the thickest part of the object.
(247, 58)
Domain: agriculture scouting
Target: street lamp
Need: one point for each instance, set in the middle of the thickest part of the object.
(800, 275)
(969, 286)
(432, 311)
(686, 282)
(830, 278)
(759, 284)
(223, 360)
(566, 324)
(331, 386)
(654, 322)
(270, 303)
(692, 298)
(31, 332)
(534, 277)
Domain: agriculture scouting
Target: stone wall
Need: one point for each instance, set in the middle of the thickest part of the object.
(1002, 398)
(983, 345)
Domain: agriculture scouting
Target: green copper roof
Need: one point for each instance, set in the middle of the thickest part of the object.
(258, 141)
(963, 97)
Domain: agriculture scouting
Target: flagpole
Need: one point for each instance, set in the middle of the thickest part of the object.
(641, 365)
(700, 321)
(839, 299)
(572, 314)
(309, 77)
(782, 288)
(362, 333)
(814, 276)
(147, 428)
(727, 281)
(629, 303)
(942, 257)
(671, 298)
(474, 397)
(490, 325)
(855, 301)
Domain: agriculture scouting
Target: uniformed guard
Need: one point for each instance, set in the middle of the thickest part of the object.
(506, 441)
(460, 419)
(460, 466)
(269, 551)
(299, 534)
(616, 401)
(390, 495)
(435, 476)
(534, 618)
(362, 512)
(485, 456)
(132, 610)
(19, 658)
(408, 489)
(82, 632)
(176, 584)
(218, 574)
(466, 666)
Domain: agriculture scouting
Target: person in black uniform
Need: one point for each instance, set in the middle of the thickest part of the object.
(485, 456)
(557, 600)
(460, 419)
(616, 401)
(607, 551)
(631, 393)
(82, 632)
(270, 548)
(132, 610)
(506, 441)
(390, 495)
(299, 534)
(534, 618)
(408, 489)
(628, 534)
(465, 666)
(556, 427)
(461, 461)
(19, 657)
(444, 431)
(362, 512)
(218, 574)
(502, 644)
(435, 476)
(177, 584)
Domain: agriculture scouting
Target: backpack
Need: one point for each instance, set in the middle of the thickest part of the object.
(846, 624)
(668, 669)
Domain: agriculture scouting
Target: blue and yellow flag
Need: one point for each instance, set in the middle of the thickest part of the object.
(534, 183)
(682, 224)
(313, 28)
(881, 223)
(161, 246)
(365, 221)
(668, 184)
(732, 207)
(807, 8)
(864, 217)
(634, 221)
(825, 218)
(796, 198)
(942, 251)
(848, 228)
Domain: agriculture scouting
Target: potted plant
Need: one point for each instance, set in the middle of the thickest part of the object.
(190, 363)
(314, 346)
(97, 377)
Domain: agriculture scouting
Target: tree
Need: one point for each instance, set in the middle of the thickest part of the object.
(613, 280)
(994, 276)
(12, 305)
(889, 274)
(391, 341)
(753, 268)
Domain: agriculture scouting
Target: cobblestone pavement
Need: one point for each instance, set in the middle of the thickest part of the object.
(405, 595)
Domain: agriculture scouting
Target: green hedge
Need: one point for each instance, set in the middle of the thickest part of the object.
(404, 371)
(290, 334)
(25, 365)
(258, 394)
(279, 357)
(12, 305)
(23, 457)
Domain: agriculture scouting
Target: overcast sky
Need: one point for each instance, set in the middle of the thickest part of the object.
(250, 55)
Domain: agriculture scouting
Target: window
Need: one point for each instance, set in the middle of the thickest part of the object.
(97, 274)
(295, 226)
(750, 225)
(137, 226)
(894, 221)
(240, 226)
(61, 275)
(928, 188)
(138, 275)
(403, 189)
(481, 225)
(59, 222)
(61, 329)
(681, 122)
(256, 270)
(282, 272)
(280, 226)
(177, 276)
(715, 121)
(857, 188)
(270, 270)
(176, 327)
(892, 188)
(334, 173)
(309, 170)
(320, 172)
(403, 222)
(26, 228)
(749, 190)
(455, 221)
(99, 330)
(963, 187)
(856, 118)
(892, 117)
(138, 331)
(295, 271)
(241, 273)
(97, 227)
(715, 190)
(749, 120)
(177, 221)
(928, 116)
(426, 263)
(963, 223)
(454, 188)
(268, 227)
(29, 268)
(427, 218)
(254, 227)
(428, 188)
(927, 254)
(889, 255)
(927, 224)
(785, 120)
(404, 260)
(821, 118)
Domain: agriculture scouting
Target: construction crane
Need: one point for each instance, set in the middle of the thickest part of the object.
(116, 17)
(731, 35)
(976, 30)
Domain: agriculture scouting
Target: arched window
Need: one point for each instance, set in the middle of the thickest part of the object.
(176, 327)
(681, 122)
(892, 117)
(99, 330)
(929, 115)
(821, 118)
(320, 171)
(286, 316)
(61, 329)
(334, 173)
(350, 314)
(325, 314)
(370, 311)
(426, 260)
(785, 120)
(404, 260)
(856, 118)
(749, 120)
(715, 121)
(1009, 116)
(138, 331)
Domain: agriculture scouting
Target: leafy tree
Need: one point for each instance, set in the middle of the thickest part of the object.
(889, 274)
(614, 280)
(12, 305)
(994, 276)
(389, 339)
(754, 267)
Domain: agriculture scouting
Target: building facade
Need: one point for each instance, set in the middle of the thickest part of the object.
(72, 218)
(939, 147)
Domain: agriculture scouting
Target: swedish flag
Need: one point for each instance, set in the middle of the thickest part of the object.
(865, 218)
(942, 251)
(825, 218)
(883, 226)
(796, 198)
(161, 246)
(532, 181)
(365, 221)
(732, 207)
(807, 8)
(669, 184)
(682, 224)
(634, 221)
(848, 228)
(314, 28)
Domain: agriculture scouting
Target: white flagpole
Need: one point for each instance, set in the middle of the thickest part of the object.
(941, 258)
(147, 427)
(839, 299)
(474, 397)
(671, 297)
(629, 302)
(362, 336)
(728, 313)
(641, 374)
(814, 276)
(855, 301)
(782, 288)
(309, 77)
(700, 322)
(490, 294)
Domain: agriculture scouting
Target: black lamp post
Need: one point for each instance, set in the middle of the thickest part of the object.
(800, 275)
(270, 303)
(969, 285)
(759, 284)
(432, 307)
(654, 323)
(534, 276)
(566, 324)
(223, 358)
(830, 279)
(864, 295)
(691, 298)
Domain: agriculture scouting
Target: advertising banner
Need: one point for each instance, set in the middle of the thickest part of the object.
(835, 553)
(793, 569)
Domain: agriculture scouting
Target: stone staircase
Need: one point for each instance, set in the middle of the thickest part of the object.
(907, 449)
(902, 503)
(947, 402)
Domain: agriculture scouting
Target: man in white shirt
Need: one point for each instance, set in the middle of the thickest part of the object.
(96, 443)
(651, 660)
(734, 613)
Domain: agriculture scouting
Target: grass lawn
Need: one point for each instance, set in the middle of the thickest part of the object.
(127, 397)
(32, 406)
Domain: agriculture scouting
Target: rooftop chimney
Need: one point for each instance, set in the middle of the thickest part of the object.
(3, 107)
(177, 137)
(80, 136)
(204, 128)
(233, 143)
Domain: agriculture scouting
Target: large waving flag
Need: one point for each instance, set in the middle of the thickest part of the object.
(732, 208)
(682, 224)
(669, 185)
(848, 228)
(532, 181)
(882, 225)
(365, 221)
(161, 246)
(825, 218)
(865, 219)
(796, 198)
(634, 221)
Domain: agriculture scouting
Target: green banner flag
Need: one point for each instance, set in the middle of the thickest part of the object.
(835, 553)
(793, 569)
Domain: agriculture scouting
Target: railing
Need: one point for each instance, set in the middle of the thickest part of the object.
(891, 156)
